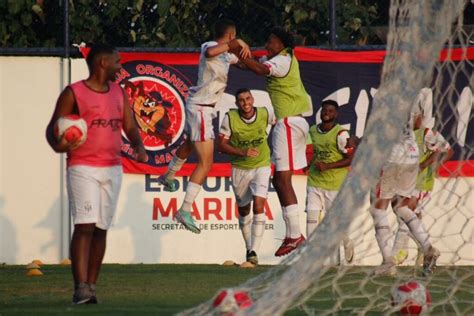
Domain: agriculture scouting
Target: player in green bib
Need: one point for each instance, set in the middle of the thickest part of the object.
(290, 101)
(332, 156)
(243, 135)
(434, 150)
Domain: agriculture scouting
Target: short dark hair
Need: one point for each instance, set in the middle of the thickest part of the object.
(285, 37)
(240, 91)
(222, 26)
(330, 102)
(96, 51)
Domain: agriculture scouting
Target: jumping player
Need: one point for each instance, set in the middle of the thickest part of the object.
(329, 168)
(214, 63)
(290, 101)
(243, 135)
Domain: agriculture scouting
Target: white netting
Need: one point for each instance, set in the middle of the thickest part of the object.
(418, 32)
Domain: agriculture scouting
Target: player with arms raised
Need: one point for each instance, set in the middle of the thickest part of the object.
(214, 62)
(243, 135)
(290, 101)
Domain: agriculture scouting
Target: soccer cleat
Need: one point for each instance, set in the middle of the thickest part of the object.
(82, 294)
(187, 220)
(168, 185)
(252, 257)
(401, 256)
(288, 245)
(93, 299)
(387, 268)
(349, 251)
(429, 261)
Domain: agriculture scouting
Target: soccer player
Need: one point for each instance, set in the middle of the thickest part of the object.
(434, 150)
(290, 101)
(243, 135)
(214, 63)
(331, 160)
(94, 170)
(398, 180)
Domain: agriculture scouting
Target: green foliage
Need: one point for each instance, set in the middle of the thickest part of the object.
(183, 23)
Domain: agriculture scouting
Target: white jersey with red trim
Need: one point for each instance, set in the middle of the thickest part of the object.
(212, 76)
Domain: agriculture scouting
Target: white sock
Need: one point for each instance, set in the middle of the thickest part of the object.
(191, 193)
(287, 223)
(245, 225)
(258, 227)
(416, 227)
(312, 221)
(382, 232)
(293, 220)
(401, 238)
(174, 166)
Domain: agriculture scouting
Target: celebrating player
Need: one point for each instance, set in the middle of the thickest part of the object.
(434, 150)
(290, 101)
(329, 168)
(398, 180)
(94, 170)
(214, 63)
(243, 135)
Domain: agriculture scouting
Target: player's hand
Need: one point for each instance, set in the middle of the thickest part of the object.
(252, 152)
(65, 146)
(141, 155)
(321, 166)
(352, 142)
(245, 49)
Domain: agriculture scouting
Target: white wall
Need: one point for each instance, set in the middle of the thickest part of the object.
(33, 226)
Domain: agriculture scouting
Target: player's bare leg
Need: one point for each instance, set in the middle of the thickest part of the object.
(96, 256)
(205, 152)
(178, 160)
(286, 194)
(80, 251)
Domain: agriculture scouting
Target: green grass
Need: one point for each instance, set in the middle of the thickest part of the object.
(167, 289)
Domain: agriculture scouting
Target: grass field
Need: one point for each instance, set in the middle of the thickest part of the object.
(168, 289)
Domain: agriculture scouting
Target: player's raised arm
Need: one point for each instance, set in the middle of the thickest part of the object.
(65, 105)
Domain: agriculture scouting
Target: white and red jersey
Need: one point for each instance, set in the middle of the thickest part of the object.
(278, 65)
(212, 76)
(406, 150)
(103, 113)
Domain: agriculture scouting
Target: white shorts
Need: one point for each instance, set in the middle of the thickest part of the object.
(318, 199)
(93, 193)
(198, 124)
(248, 183)
(289, 143)
(397, 179)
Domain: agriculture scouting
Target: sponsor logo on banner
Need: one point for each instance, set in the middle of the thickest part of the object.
(212, 213)
(157, 94)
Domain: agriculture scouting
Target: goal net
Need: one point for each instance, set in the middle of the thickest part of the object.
(415, 74)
